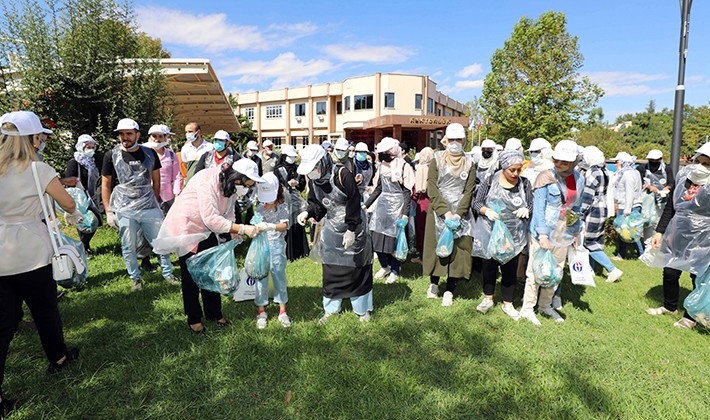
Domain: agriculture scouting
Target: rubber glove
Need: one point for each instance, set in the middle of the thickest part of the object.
(265, 227)
(251, 231)
(522, 213)
(544, 242)
(74, 218)
(111, 219)
(301, 218)
(491, 215)
(348, 239)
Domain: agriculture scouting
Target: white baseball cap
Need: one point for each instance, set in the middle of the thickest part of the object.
(326, 144)
(654, 154)
(704, 150)
(538, 144)
(513, 144)
(166, 129)
(455, 131)
(27, 123)
(248, 167)
(488, 144)
(156, 129)
(386, 144)
(342, 144)
(267, 143)
(622, 156)
(361, 147)
(268, 190)
(288, 150)
(221, 135)
(127, 124)
(252, 145)
(310, 156)
(566, 151)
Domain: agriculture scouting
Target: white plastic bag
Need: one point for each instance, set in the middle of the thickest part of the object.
(580, 270)
(246, 289)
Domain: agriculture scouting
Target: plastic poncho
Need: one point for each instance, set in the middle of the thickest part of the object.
(698, 301)
(389, 206)
(451, 190)
(134, 193)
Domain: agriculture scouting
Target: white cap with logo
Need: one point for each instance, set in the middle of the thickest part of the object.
(538, 144)
(342, 144)
(248, 167)
(488, 144)
(310, 156)
(386, 144)
(566, 151)
(156, 129)
(127, 124)
(268, 190)
(267, 143)
(252, 145)
(361, 147)
(654, 154)
(27, 123)
(288, 150)
(455, 131)
(221, 135)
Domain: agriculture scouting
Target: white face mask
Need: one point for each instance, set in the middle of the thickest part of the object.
(340, 154)
(314, 174)
(290, 159)
(241, 190)
(699, 174)
(89, 153)
(191, 136)
(351, 155)
(42, 145)
(455, 148)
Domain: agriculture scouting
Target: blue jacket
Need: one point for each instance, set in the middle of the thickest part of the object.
(547, 205)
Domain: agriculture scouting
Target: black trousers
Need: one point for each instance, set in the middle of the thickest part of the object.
(450, 282)
(39, 290)
(671, 288)
(508, 271)
(191, 293)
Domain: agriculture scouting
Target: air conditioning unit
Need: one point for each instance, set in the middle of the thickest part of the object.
(321, 118)
(298, 119)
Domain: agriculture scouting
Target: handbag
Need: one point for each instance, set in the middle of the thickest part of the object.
(66, 259)
(580, 270)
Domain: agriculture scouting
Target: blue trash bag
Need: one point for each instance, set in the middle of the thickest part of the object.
(698, 301)
(90, 222)
(501, 245)
(629, 228)
(77, 279)
(215, 269)
(545, 269)
(649, 211)
(402, 249)
(258, 257)
(445, 245)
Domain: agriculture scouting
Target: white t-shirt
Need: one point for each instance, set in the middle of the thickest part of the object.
(190, 153)
(24, 239)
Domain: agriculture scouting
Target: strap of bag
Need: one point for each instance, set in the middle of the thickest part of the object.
(54, 236)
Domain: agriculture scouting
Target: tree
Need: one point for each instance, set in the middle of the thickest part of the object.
(81, 66)
(534, 88)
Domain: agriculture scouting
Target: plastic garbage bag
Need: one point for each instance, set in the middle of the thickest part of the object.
(652, 257)
(649, 210)
(90, 222)
(215, 269)
(501, 245)
(629, 228)
(545, 268)
(698, 301)
(445, 245)
(402, 249)
(580, 270)
(315, 254)
(257, 261)
(77, 279)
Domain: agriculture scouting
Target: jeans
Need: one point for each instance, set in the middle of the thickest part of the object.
(361, 304)
(149, 221)
(603, 259)
(388, 260)
(533, 291)
(278, 278)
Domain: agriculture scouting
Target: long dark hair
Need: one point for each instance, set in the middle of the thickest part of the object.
(227, 177)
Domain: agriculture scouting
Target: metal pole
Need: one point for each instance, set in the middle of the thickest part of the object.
(680, 88)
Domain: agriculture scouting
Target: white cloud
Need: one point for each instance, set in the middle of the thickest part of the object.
(368, 53)
(629, 84)
(283, 71)
(214, 33)
(473, 70)
(468, 84)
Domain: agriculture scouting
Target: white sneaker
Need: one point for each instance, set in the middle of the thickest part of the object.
(137, 285)
(325, 317)
(485, 305)
(433, 291)
(551, 313)
(448, 299)
(685, 323)
(614, 275)
(285, 320)
(509, 310)
(382, 272)
(392, 278)
(530, 316)
(556, 302)
(366, 317)
(261, 320)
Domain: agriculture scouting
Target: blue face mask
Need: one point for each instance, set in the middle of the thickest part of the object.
(361, 156)
(219, 145)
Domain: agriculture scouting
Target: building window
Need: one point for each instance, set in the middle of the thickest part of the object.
(389, 99)
(249, 113)
(430, 105)
(274, 111)
(417, 101)
(347, 103)
(320, 108)
(438, 112)
(339, 107)
(321, 139)
(363, 102)
(300, 110)
(448, 113)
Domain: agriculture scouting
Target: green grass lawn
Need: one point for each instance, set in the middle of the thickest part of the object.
(415, 359)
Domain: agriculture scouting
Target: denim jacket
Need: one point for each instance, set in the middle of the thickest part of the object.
(548, 204)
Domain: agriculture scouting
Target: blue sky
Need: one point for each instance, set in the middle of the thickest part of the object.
(630, 46)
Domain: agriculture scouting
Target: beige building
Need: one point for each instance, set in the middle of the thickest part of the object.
(366, 108)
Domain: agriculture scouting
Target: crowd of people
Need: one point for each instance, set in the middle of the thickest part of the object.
(489, 210)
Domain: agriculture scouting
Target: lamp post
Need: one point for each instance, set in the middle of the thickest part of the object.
(680, 88)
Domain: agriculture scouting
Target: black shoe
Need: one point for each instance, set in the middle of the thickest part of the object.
(147, 266)
(198, 331)
(7, 406)
(71, 355)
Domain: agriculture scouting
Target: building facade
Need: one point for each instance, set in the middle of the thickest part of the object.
(361, 109)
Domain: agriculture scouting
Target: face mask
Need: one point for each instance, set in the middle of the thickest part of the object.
(219, 145)
(385, 157)
(699, 174)
(351, 155)
(267, 152)
(42, 145)
(241, 190)
(290, 159)
(89, 153)
(487, 155)
(653, 166)
(191, 136)
(314, 174)
(536, 158)
(455, 148)
(361, 156)
(341, 154)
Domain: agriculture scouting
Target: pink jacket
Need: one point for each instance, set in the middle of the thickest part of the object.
(198, 211)
(170, 176)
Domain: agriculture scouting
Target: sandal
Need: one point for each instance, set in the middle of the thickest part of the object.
(71, 355)
(685, 323)
(661, 310)
(199, 331)
(223, 323)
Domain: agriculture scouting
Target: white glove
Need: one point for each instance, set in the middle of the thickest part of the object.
(111, 219)
(405, 218)
(265, 227)
(663, 193)
(348, 239)
(545, 243)
(522, 213)
(74, 218)
(301, 218)
(491, 215)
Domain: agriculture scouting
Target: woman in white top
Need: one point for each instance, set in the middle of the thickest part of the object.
(25, 248)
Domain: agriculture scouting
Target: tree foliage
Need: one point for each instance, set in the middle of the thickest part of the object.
(534, 88)
(81, 65)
